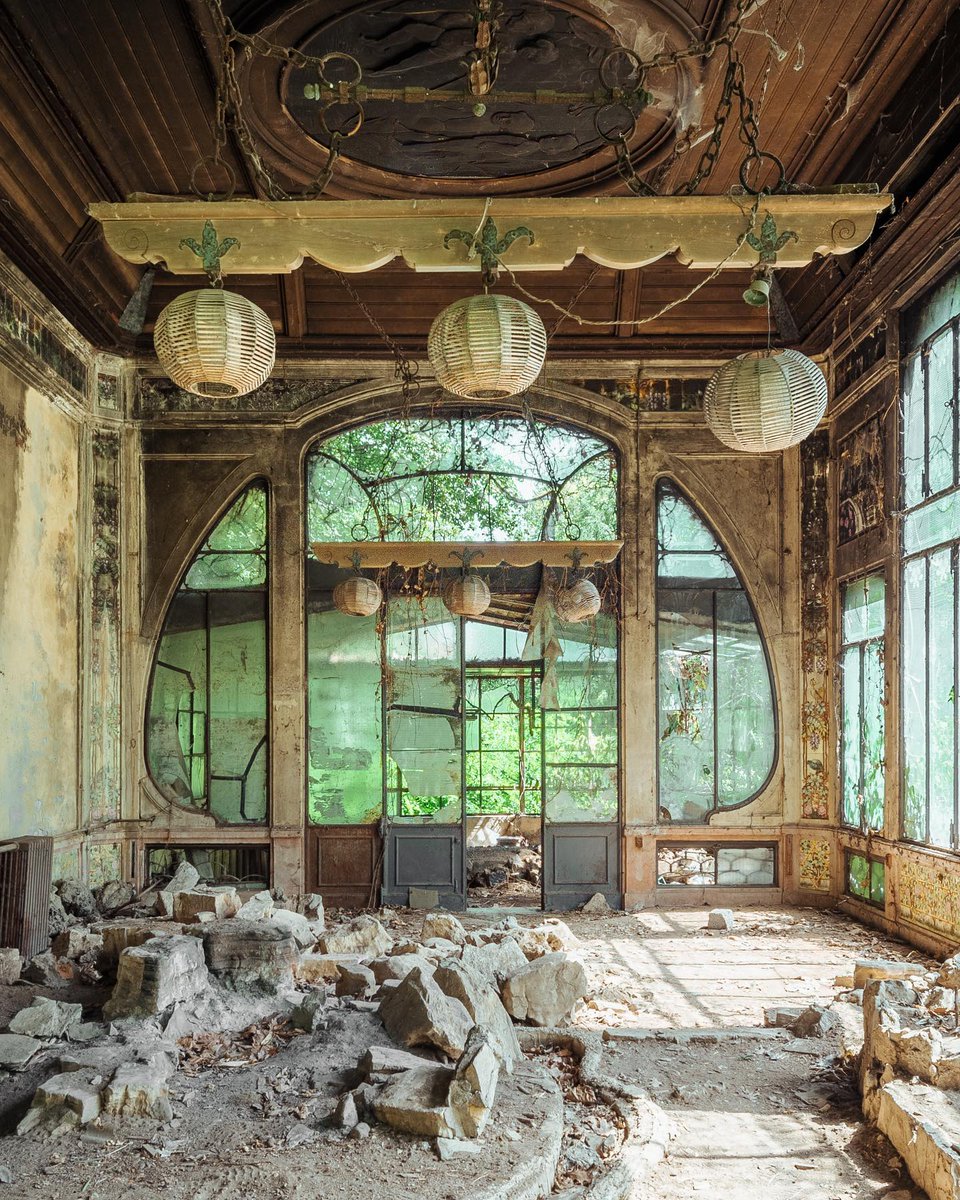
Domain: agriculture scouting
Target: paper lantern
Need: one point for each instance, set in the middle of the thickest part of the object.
(215, 343)
(357, 596)
(765, 401)
(576, 603)
(467, 596)
(487, 347)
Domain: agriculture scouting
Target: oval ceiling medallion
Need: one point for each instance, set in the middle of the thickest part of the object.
(414, 56)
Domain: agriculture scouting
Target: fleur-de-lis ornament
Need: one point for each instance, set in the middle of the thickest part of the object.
(489, 245)
(770, 243)
(210, 250)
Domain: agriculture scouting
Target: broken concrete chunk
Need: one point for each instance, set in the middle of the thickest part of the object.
(546, 991)
(417, 1013)
(815, 1022)
(345, 1115)
(721, 918)
(596, 904)
(63, 1102)
(185, 878)
(495, 962)
(76, 941)
(558, 934)
(16, 1050)
(50, 971)
(784, 1016)
(943, 1002)
(363, 937)
(868, 969)
(157, 974)
(474, 1084)
(77, 899)
(448, 1148)
(103, 1060)
(397, 966)
(10, 964)
(113, 895)
(249, 954)
(220, 901)
(320, 968)
(355, 981)
(256, 908)
(485, 1007)
(139, 1089)
(119, 935)
(57, 916)
(313, 908)
(949, 975)
(387, 1060)
(423, 898)
(442, 925)
(309, 1013)
(295, 925)
(533, 942)
(46, 1018)
(415, 1101)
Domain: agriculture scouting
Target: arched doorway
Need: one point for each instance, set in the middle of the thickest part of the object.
(433, 733)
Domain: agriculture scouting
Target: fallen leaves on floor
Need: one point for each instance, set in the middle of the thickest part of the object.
(258, 1042)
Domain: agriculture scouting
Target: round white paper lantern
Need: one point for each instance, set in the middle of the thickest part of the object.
(467, 596)
(487, 347)
(215, 343)
(579, 602)
(357, 596)
(765, 400)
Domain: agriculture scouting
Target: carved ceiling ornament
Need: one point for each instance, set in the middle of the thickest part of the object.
(493, 145)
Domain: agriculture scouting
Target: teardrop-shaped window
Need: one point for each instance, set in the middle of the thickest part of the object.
(206, 728)
(717, 717)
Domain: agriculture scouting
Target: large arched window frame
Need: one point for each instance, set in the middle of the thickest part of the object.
(717, 726)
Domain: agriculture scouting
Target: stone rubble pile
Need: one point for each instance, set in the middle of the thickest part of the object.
(448, 1000)
(512, 860)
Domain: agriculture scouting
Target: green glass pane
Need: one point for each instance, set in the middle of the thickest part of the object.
(864, 608)
(873, 736)
(941, 405)
(914, 722)
(687, 547)
(941, 638)
(746, 735)
(424, 709)
(878, 883)
(851, 717)
(858, 876)
(238, 707)
(344, 750)
(581, 736)
(580, 793)
(914, 431)
(686, 701)
(234, 555)
(937, 522)
(176, 711)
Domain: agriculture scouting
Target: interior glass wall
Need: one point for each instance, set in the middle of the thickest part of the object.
(717, 721)
(206, 728)
(862, 749)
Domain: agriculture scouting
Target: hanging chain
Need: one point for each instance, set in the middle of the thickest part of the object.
(406, 369)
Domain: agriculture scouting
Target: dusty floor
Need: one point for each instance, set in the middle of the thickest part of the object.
(751, 1116)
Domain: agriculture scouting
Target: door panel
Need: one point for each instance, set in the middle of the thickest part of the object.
(342, 863)
(423, 856)
(578, 861)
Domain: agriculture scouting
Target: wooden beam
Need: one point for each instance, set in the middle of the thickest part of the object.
(628, 298)
(293, 297)
(704, 232)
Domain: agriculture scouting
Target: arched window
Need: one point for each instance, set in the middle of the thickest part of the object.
(206, 735)
(717, 724)
(473, 478)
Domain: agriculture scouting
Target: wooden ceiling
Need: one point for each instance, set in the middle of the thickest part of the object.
(103, 98)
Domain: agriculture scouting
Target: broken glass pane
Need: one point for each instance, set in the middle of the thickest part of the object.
(344, 719)
(424, 709)
(717, 730)
(206, 727)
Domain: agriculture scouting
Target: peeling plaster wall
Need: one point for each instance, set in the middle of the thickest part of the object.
(39, 626)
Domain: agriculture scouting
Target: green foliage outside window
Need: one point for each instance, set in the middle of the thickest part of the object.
(862, 702)
(866, 878)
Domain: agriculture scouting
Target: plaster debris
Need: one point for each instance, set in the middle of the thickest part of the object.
(546, 991)
(156, 975)
(417, 1013)
(362, 937)
(246, 954)
(220, 901)
(46, 1018)
(10, 964)
(596, 904)
(442, 925)
(16, 1050)
(355, 980)
(721, 918)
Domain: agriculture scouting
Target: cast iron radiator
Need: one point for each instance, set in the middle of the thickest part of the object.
(26, 867)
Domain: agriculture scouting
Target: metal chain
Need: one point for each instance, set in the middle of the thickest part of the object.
(406, 369)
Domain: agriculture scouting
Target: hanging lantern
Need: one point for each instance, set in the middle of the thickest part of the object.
(357, 596)
(215, 343)
(576, 603)
(467, 595)
(487, 347)
(766, 400)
